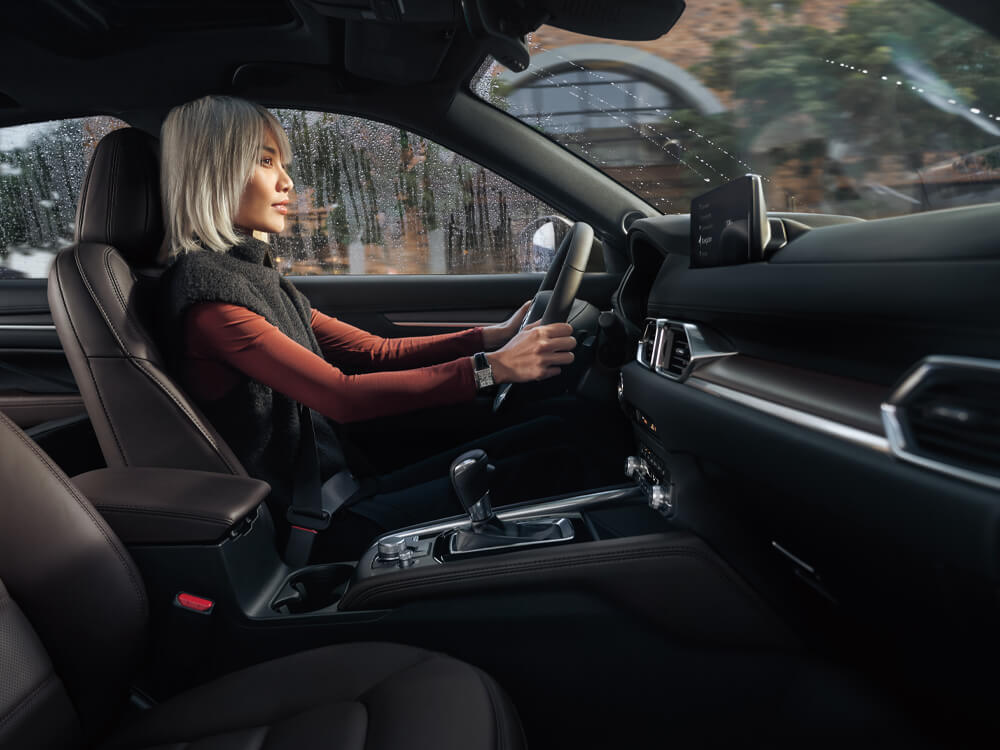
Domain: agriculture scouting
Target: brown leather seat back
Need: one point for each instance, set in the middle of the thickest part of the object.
(101, 311)
(73, 608)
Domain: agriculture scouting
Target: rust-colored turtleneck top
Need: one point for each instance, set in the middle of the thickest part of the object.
(225, 343)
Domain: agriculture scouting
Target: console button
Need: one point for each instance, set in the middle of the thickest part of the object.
(392, 548)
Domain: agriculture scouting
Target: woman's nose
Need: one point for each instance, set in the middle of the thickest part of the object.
(285, 183)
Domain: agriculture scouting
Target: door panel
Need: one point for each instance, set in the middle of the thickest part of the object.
(395, 306)
(36, 384)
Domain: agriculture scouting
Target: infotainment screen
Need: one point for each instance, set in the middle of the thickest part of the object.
(729, 224)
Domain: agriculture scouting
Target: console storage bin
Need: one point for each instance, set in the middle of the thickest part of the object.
(171, 506)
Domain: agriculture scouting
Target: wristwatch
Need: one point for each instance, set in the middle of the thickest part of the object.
(483, 372)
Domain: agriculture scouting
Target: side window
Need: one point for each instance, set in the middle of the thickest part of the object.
(41, 171)
(370, 198)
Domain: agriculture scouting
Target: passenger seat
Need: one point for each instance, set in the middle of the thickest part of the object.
(73, 616)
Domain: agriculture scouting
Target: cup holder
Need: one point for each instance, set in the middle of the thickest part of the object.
(314, 588)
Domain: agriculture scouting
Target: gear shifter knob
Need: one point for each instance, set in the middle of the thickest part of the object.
(470, 476)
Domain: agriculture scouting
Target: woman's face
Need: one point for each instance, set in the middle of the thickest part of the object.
(264, 202)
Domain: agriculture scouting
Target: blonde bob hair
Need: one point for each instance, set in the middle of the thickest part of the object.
(209, 149)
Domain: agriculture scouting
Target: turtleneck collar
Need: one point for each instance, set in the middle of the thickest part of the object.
(252, 250)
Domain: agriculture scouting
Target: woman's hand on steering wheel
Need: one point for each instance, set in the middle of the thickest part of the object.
(497, 335)
(535, 353)
(563, 279)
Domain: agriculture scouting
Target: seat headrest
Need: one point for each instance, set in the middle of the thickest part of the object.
(120, 198)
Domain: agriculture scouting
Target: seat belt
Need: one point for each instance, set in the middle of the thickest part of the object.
(313, 505)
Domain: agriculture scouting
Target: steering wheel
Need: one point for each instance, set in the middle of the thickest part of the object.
(563, 279)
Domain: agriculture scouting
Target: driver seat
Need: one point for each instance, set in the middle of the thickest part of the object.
(100, 292)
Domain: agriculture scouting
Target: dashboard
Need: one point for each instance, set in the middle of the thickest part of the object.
(831, 412)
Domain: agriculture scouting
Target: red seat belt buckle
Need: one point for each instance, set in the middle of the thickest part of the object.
(193, 603)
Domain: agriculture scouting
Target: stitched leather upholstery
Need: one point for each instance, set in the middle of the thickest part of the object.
(73, 580)
(171, 506)
(99, 305)
(120, 198)
(360, 696)
(72, 621)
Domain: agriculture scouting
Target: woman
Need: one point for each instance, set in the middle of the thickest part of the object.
(249, 347)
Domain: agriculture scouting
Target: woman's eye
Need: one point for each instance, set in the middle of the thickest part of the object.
(266, 161)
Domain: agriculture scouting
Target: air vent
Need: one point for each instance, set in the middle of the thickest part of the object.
(675, 349)
(946, 416)
(677, 354)
(631, 218)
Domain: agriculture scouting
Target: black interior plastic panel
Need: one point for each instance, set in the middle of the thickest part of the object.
(937, 292)
(869, 321)
(438, 292)
(967, 233)
(843, 507)
(671, 232)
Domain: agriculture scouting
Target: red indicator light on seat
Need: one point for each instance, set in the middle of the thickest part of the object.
(194, 603)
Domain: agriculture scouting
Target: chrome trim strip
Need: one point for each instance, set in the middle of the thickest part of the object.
(795, 416)
(438, 324)
(897, 433)
(530, 510)
(760, 211)
(564, 524)
(797, 560)
(659, 326)
(700, 351)
(26, 327)
(702, 348)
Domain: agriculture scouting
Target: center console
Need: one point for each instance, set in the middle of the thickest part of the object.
(221, 597)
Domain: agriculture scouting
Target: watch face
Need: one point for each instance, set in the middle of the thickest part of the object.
(484, 378)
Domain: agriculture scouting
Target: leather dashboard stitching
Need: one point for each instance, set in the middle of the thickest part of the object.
(86, 508)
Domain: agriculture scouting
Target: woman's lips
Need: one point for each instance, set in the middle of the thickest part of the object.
(282, 208)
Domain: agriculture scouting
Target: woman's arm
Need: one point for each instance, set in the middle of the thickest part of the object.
(246, 342)
(357, 349)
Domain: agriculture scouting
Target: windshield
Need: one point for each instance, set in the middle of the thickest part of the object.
(869, 108)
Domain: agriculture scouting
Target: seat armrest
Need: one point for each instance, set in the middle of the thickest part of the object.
(171, 506)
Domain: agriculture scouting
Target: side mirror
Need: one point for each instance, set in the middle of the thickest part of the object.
(542, 238)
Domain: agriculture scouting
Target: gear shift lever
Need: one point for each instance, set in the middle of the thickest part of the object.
(470, 476)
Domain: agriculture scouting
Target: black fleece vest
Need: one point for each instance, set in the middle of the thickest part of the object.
(261, 425)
